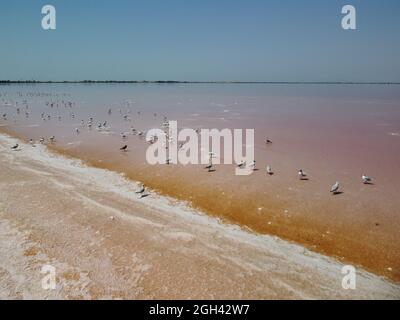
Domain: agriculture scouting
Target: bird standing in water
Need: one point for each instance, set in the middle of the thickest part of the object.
(252, 166)
(302, 174)
(241, 164)
(335, 188)
(365, 179)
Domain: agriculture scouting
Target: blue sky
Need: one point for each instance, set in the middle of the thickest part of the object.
(242, 40)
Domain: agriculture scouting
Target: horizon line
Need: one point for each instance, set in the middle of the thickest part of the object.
(190, 82)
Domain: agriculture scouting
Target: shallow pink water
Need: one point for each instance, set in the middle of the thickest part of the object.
(333, 132)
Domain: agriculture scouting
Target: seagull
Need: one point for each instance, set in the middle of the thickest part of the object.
(15, 147)
(41, 140)
(52, 138)
(335, 188)
(210, 168)
(77, 130)
(32, 143)
(210, 164)
(165, 124)
(141, 190)
(143, 195)
(124, 148)
(252, 166)
(269, 171)
(365, 179)
(302, 174)
(241, 164)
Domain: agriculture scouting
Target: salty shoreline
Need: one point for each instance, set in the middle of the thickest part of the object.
(55, 210)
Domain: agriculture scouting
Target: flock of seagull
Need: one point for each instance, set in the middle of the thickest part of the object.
(335, 189)
(301, 173)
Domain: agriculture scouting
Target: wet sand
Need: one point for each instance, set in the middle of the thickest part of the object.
(334, 136)
(55, 210)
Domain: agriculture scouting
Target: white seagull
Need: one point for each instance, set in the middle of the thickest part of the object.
(252, 166)
(269, 171)
(335, 188)
(302, 174)
(141, 189)
(365, 179)
(241, 164)
(141, 192)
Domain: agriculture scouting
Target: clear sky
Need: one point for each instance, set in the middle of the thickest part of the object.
(242, 40)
